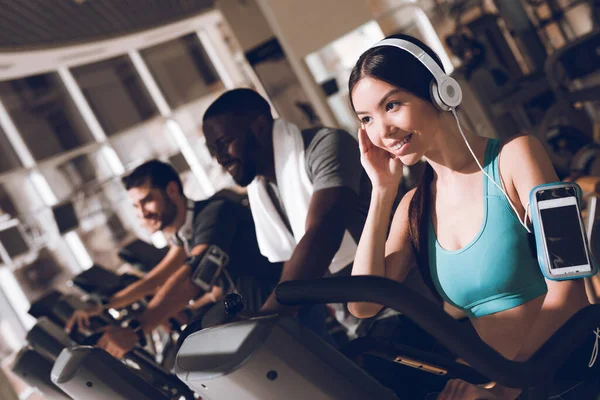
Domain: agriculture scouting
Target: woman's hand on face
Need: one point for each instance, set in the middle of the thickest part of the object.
(384, 170)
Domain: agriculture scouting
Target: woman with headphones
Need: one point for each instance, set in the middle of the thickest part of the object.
(464, 225)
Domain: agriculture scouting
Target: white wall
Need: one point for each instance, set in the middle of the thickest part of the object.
(308, 25)
(247, 22)
(305, 26)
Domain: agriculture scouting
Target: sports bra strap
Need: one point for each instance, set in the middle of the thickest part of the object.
(492, 166)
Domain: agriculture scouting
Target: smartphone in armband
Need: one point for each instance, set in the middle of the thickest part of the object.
(207, 267)
(563, 251)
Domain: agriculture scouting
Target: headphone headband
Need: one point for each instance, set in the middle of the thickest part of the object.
(420, 54)
(445, 90)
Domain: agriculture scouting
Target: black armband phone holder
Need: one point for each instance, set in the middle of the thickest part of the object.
(207, 267)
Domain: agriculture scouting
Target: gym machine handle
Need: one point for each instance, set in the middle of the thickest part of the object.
(223, 312)
(463, 342)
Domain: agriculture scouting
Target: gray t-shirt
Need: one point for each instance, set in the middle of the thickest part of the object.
(332, 160)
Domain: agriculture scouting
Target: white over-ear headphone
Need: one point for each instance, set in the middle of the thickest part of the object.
(445, 91)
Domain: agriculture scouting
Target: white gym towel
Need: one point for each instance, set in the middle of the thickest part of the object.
(295, 189)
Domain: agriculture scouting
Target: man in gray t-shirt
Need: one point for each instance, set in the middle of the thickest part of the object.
(332, 160)
(239, 132)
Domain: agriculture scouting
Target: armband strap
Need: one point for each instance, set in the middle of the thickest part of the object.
(193, 261)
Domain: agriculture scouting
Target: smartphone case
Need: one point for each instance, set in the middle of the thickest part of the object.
(535, 219)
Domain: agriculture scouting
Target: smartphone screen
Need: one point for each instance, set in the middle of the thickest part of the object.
(563, 235)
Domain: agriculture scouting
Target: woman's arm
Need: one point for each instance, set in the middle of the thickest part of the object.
(524, 164)
(374, 256)
(564, 298)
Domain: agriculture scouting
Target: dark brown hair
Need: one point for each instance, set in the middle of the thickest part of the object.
(401, 69)
(158, 173)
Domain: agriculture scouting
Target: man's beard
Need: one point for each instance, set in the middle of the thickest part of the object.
(249, 167)
(169, 213)
(247, 176)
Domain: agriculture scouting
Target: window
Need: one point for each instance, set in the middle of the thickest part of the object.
(115, 93)
(182, 69)
(18, 195)
(44, 114)
(68, 177)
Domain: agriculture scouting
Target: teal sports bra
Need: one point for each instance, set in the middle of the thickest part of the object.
(496, 271)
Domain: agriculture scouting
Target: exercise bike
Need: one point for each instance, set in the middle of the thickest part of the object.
(274, 357)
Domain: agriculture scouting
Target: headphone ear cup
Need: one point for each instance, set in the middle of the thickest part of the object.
(435, 96)
(450, 92)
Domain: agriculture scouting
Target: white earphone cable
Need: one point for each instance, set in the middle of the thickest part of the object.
(524, 223)
(595, 349)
